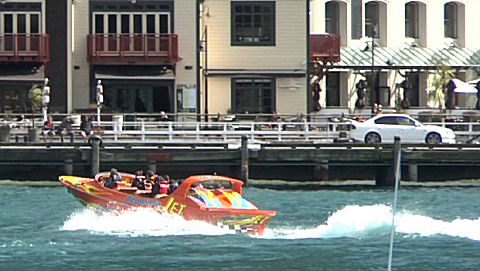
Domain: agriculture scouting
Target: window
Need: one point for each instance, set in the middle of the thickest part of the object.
(371, 19)
(405, 121)
(333, 86)
(332, 17)
(386, 120)
(411, 20)
(253, 95)
(131, 23)
(8, 23)
(23, 23)
(34, 23)
(450, 21)
(253, 23)
(395, 121)
(356, 19)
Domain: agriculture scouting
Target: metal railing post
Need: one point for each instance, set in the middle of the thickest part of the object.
(225, 131)
(197, 130)
(252, 130)
(279, 129)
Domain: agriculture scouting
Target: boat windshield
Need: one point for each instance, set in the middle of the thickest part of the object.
(221, 184)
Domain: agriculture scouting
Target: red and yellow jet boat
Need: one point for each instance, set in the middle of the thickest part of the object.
(211, 198)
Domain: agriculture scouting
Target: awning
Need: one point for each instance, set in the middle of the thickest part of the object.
(22, 74)
(462, 87)
(164, 76)
(133, 73)
(410, 57)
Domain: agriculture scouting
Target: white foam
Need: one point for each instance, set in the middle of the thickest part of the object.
(136, 222)
(352, 221)
(361, 221)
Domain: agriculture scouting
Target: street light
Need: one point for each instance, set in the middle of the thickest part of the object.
(373, 94)
(45, 98)
(99, 99)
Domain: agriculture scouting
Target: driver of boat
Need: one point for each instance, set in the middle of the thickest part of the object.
(112, 180)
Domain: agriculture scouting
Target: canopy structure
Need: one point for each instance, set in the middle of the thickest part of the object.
(409, 57)
(462, 87)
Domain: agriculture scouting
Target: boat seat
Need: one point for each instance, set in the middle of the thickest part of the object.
(159, 196)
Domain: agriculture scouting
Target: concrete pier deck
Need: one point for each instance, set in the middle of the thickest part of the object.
(288, 161)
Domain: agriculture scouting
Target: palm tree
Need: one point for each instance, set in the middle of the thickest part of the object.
(441, 78)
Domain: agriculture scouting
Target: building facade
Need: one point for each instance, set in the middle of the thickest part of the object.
(238, 56)
(24, 52)
(254, 56)
(142, 52)
(411, 40)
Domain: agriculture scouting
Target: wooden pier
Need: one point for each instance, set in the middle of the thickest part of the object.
(305, 161)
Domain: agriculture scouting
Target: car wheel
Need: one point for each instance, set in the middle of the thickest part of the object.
(433, 138)
(372, 138)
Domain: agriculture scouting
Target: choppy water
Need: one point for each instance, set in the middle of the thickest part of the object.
(44, 228)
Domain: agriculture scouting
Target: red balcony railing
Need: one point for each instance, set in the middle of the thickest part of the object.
(325, 47)
(24, 48)
(109, 48)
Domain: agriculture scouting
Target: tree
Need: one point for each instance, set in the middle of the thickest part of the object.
(35, 97)
(442, 76)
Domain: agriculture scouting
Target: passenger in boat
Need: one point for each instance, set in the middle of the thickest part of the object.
(160, 186)
(112, 180)
(150, 176)
(139, 181)
(172, 187)
(164, 184)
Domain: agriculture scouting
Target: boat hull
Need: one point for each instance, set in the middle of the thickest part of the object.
(230, 210)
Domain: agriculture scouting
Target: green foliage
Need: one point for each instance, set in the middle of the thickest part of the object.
(442, 75)
(35, 97)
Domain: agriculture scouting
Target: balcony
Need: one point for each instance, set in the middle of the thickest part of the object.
(140, 48)
(24, 48)
(325, 48)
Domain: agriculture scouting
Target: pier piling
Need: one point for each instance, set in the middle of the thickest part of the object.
(386, 174)
(413, 172)
(95, 144)
(244, 160)
(68, 167)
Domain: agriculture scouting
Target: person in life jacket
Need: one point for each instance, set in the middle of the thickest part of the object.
(160, 186)
(112, 180)
(164, 184)
(150, 179)
(139, 181)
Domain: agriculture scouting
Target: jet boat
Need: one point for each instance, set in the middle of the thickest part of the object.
(211, 198)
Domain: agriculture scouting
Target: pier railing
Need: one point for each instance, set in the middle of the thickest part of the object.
(323, 131)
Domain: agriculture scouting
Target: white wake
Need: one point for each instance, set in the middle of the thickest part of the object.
(352, 221)
(136, 222)
(360, 221)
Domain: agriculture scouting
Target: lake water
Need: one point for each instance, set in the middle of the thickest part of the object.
(44, 228)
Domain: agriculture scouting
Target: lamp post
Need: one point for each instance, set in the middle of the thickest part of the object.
(373, 94)
(45, 99)
(99, 99)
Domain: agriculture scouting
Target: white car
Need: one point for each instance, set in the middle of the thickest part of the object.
(384, 127)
